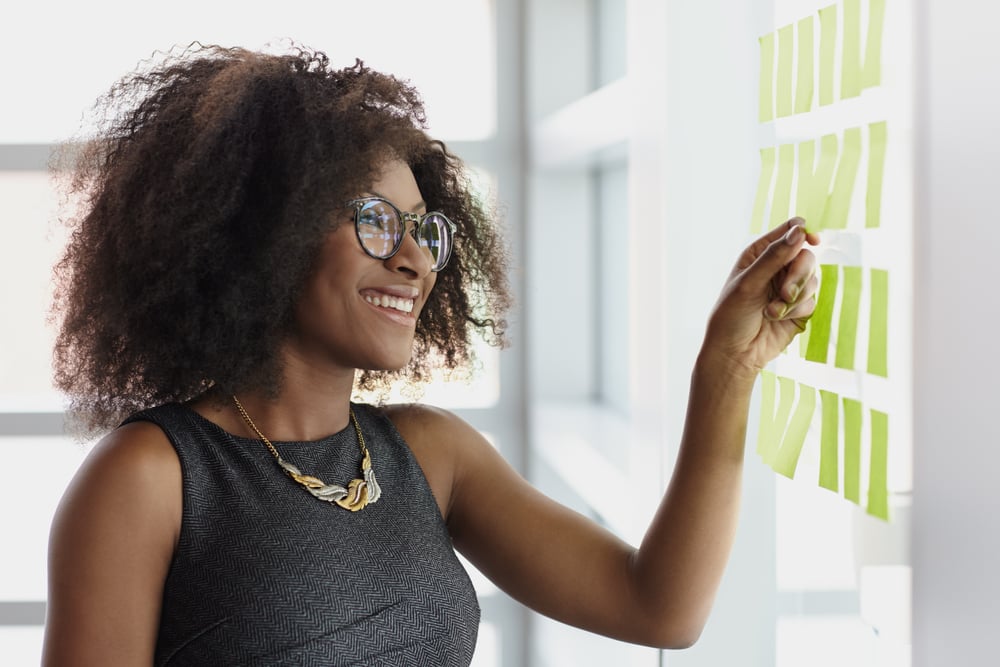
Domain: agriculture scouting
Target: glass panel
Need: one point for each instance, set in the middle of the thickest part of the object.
(30, 242)
(28, 462)
(610, 37)
(413, 40)
(21, 645)
(612, 287)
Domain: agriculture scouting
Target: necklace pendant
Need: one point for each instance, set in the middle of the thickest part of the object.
(357, 496)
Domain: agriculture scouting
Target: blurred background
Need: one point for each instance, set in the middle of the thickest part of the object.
(622, 139)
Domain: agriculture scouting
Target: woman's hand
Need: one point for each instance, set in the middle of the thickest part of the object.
(767, 300)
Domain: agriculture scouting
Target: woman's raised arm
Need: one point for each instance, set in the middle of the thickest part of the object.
(567, 567)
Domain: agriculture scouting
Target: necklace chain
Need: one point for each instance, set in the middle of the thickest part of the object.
(358, 493)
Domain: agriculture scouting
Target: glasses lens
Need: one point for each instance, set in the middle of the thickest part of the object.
(379, 228)
(434, 234)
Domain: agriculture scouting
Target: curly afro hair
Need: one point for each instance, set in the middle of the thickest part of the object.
(206, 197)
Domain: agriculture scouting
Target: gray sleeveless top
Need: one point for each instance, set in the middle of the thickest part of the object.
(265, 574)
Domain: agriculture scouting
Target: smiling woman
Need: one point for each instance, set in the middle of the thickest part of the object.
(230, 281)
(263, 235)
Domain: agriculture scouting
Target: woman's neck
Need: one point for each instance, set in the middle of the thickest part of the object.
(311, 403)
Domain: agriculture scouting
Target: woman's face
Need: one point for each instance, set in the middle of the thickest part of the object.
(357, 311)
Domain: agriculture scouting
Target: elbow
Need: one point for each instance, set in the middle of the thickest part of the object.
(674, 629)
(677, 638)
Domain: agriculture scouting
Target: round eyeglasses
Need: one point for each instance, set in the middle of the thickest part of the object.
(381, 227)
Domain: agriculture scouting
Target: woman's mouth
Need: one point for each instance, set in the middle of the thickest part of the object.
(401, 304)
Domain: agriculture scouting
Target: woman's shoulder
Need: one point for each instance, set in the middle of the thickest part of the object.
(423, 424)
(134, 468)
(442, 443)
(111, 542)
(133, 471)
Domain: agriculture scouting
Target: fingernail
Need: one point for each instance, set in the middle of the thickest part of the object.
(794, 235)
(793, 292)
(775, 311)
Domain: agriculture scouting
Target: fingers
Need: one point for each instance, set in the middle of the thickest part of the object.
(798, 273)
(785, 272)
(775, 251)
(799, 310)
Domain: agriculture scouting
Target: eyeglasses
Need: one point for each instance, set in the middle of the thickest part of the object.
(381, 227)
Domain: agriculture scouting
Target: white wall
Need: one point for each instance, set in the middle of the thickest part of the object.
(956, 530)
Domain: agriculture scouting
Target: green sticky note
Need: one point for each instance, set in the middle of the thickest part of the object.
(781, 200)
(765, 430)
(763, 189)
(850, 63)
(878, 469)
(786, 398)
(878, 328)
(819, 336)
(829, 472)
(766, 112)
(839, 202)
(783, 84)
(829, 150)
(871, 73)
(787, 458)
(852, 450)
(804, 340)
(805, 200)
(876, 166)
(804, 76)
(850, 306)
(827, 53)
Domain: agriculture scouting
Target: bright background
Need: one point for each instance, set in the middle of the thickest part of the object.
(621, 138)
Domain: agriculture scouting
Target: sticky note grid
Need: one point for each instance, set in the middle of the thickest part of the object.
(835, 181)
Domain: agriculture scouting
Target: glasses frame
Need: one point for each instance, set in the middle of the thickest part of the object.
(404, 217)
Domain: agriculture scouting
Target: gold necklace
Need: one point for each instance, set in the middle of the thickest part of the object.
(355, 496)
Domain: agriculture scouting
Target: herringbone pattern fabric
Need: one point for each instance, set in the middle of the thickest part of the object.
(265, 574)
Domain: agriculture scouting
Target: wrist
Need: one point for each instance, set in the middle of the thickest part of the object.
(721, 368)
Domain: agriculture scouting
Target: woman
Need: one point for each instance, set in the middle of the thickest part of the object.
(262, 234)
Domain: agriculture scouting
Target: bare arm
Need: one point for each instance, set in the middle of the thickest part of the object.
(660, 594)
(110, 547)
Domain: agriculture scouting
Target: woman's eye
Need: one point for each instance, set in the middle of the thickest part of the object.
(373, 219)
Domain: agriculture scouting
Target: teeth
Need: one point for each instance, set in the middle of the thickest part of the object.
(386, 301)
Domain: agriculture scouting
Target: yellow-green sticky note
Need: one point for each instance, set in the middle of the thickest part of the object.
(829, 469)
(878, 468)
(871, 73)
(765, 429)
(766, 88)
(783, 84)
(786, 459)
(786, 398)
(878, 327)
(804, 340)
(850, 306)
(850, 64)
(805, 200)
(829, 150)
(805, 74)
(852, 450)
(839, 203)
(781, 199)
(876, 167)
(819, 336)
(827, 53)
(763, 189)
